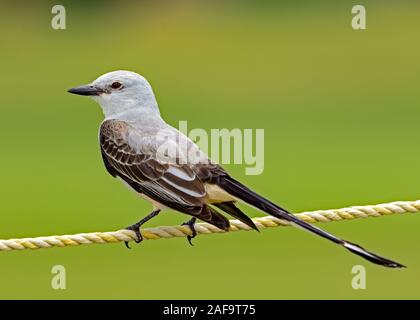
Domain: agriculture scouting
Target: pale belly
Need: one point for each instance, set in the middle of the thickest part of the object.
(215, 194)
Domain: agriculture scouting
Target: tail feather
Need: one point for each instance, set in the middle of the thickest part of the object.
(213, 217)
(230, 208)
(243, 193)
(356, 249)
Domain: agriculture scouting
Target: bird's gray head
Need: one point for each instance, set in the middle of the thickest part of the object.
(120, 91)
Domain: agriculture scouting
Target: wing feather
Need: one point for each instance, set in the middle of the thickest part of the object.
(172, 184)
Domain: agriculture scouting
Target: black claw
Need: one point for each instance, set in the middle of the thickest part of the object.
(191, 224)
(189, 238)
(139, 238)
(136, 227)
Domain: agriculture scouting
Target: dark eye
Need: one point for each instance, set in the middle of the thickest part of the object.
(116, 85)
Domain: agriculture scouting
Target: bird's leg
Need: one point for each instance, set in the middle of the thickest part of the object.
(191, 224)
(136, 227)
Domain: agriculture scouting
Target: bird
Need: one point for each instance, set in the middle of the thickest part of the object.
(169, 170)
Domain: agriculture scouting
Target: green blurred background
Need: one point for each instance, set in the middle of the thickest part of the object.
(340, 109)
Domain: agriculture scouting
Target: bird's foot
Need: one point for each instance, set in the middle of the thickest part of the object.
(191, 224)
(136, 228)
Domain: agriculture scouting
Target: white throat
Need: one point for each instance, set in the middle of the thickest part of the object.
(114, 105)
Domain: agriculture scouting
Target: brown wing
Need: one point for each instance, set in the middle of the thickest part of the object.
(173, 182)
(174, 185)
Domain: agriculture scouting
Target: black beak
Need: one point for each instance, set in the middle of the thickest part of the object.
(86, 90)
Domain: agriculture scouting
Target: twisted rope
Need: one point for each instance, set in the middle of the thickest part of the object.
(349, 213)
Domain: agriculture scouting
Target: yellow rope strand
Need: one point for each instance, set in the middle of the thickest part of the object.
(349, 213)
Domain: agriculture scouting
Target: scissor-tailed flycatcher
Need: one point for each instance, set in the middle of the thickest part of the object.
(132, 137)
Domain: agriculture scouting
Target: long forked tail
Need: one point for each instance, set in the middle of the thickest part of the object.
(243, 193)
